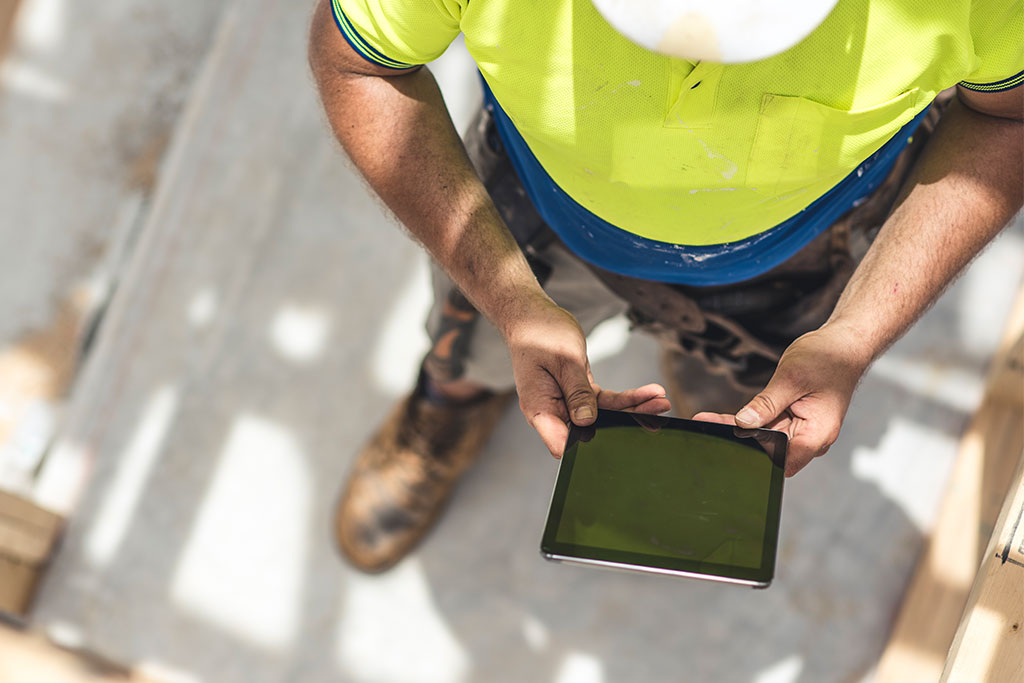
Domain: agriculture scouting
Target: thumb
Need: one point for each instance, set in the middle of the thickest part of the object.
(766, 406)
(579, 394)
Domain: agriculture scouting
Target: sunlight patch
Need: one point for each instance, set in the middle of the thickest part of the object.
(985, 299)
(299, 333)
(535, 633)
(608, 339)
(786, 671)
(134, 467)
(202, 308)
(580, 667)
(41, 24)
(31, 82)
(403, 341)
(382, 612)
(958, 388)
(243, 565)
(908, 452)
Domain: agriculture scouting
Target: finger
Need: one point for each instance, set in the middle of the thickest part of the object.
(715, 417)
(649, 398)
(770, 403)
(653, 406)
(580, 399)
(811, 440)
(553, 432)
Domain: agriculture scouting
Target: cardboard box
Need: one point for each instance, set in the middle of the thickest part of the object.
(28, 535)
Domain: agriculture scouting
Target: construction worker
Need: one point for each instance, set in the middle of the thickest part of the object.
(776, 223)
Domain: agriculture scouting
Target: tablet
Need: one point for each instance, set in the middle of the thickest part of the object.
(669, 496)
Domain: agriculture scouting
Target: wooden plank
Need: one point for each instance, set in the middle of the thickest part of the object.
(28, 534)
(927, 620)
(989, 644)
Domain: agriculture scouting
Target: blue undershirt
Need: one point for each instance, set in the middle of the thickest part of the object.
(607, 246)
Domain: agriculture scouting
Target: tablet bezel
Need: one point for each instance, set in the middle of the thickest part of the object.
(759, 577)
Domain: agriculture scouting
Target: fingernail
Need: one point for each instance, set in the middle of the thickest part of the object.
(584, 413)
(747, 416)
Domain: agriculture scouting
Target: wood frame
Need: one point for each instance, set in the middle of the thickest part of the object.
(938, 593)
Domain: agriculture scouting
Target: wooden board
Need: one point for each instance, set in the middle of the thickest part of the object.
(931, 610)
(989, 645)
(28, 534)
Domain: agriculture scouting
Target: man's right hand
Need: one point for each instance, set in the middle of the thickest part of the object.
(553, 378)
(394, 126)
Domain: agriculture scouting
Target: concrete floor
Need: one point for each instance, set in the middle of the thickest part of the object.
(202, 544)
(89, 97)
(276, 314)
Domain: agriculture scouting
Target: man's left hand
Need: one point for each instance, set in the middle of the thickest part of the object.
(808, 395)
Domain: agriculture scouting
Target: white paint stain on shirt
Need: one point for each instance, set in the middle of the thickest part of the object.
(730, 170)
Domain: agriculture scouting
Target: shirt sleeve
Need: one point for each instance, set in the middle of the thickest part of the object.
(997, 30)
(399, 34)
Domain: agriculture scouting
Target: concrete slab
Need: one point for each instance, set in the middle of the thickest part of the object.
(89, 95)
(275, 316)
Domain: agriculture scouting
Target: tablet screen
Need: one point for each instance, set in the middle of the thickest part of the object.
(673, 494)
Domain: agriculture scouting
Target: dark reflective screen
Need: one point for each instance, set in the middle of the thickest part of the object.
(672, 492)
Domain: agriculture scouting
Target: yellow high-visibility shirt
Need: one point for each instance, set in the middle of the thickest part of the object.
(703, 153)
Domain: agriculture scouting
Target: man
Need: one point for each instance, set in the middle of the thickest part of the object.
(726, 208)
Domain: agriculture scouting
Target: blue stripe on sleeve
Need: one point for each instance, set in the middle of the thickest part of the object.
(998, 86)
(359, 44)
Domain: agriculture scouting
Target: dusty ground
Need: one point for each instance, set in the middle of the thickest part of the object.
(275, 315)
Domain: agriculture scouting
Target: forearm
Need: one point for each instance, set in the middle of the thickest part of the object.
(397, 131)
(966, 187)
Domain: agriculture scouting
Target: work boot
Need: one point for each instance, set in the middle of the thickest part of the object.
(401, 480)
(693, 388)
